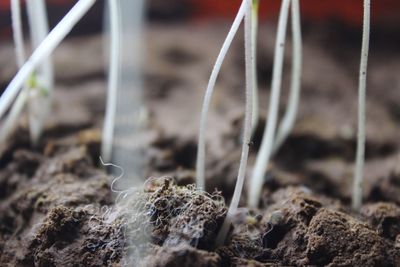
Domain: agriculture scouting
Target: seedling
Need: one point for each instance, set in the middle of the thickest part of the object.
(360, 156)
(39, 101)
(247, 124)
(37, 94)
(10, 123)
(289, 118)
(200, 163)
(267, 143)
(113, 80)
(42, 52)
(17, 32)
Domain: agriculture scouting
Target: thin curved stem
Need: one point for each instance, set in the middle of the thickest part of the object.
(45, 48)
(289, 118)
(360, 156)
(267, 143)
(247, 127)
(200, 163)
(114, 70)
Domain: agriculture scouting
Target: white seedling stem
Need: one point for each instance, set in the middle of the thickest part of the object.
(247, 126)
(39, 29)
(17, 32)
(360, 157)
(113, 77)
(45, 48)
(267, 143)
(37, 17)
(254, 32)
(200, 164)
(39, 101)
(289, 118)
(12, 119)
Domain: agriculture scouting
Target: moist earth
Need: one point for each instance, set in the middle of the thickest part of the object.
(57, 206)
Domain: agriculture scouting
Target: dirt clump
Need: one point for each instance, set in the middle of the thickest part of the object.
(301, 228)
(183, 256)
(384, 217)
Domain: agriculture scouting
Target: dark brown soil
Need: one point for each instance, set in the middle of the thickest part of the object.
(56, 203)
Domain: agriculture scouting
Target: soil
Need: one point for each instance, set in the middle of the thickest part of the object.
(56, 203)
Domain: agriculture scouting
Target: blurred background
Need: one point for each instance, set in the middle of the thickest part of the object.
(348, 12)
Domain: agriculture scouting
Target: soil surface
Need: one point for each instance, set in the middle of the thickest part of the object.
(59, 207)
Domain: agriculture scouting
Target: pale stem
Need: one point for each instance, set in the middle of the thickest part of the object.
(39, 101)
(113, 77)
(254, 32)
(200, 164)
(11, 121)
(360, 156)
(17, 32)
(289, 118)
(247, 127)
(39, 29)
(267, 143)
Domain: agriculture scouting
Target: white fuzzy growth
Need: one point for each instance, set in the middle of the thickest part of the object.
(247, 126)
(267, 143)
(17, 32)
(113, 77)
(45, 48)
(200, 164)
(360, 157)
(116, 179)
(254, 33)
(289, 118)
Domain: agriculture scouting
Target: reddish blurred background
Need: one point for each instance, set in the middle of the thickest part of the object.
(344, 11)
(349, 11)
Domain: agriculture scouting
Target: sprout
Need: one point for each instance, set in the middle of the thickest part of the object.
(247, 125)
(11, 122)
(200, 164)
(267, 143)
(114, 75)
(45, 48)
(290, 115)
(289, 118)
(359, 168)
(36, 93)
(39, 101)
